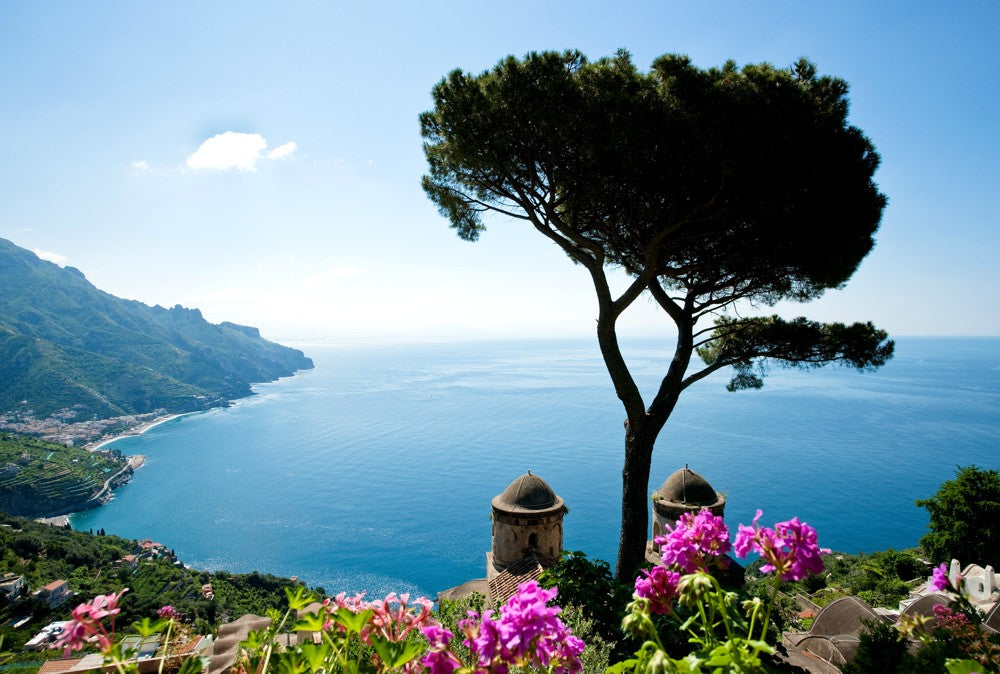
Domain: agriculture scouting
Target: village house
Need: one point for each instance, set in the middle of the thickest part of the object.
(46, 637)
(129, 561)
(12, 586)
(55, 594)
(146, 658)
(149, 549)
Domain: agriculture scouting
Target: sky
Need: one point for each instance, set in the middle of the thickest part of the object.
(262, 161)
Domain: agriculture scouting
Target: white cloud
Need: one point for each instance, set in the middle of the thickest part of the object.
(282, 151)
(140, 165)
(235, 150)
(50, 256)
(229, 150)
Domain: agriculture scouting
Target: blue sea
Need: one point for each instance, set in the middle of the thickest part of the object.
(374, 471)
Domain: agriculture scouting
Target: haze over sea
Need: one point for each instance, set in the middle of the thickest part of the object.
(375, 470)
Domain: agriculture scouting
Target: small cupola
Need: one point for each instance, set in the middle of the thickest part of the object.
(527, 522)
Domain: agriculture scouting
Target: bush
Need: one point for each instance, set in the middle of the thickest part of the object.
(880, 651)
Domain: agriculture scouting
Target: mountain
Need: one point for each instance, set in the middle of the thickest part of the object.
(68, 349)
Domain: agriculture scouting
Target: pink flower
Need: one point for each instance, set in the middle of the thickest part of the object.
(527, 633)
(86, 627)
(939, 579)
(659, 586)
(695, 542)
(438, 659)
(790, 548)
(168, 612)
(106, 605)
(74, 635)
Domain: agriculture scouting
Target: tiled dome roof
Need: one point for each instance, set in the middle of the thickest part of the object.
(688, 487)
(527, 493)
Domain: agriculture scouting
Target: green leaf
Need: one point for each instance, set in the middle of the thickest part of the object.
(761, 646)
(395, 654)
(351, 621)
(193, 665)
(720, 657)
(623, 666)
(311, 622)
(964, 666)
(287, 663)
(316, 655)
(147, 627)
(298, 598)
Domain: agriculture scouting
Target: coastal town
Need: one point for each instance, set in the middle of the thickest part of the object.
(66, 428)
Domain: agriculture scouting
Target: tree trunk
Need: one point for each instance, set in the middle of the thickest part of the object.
(635, 502)
(640, 436)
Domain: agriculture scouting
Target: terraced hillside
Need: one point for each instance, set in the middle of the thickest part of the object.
(42, 479)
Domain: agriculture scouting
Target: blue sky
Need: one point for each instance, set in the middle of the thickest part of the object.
(304, 215)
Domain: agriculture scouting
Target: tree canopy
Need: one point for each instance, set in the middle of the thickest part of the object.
(713, 188)
(963, 516)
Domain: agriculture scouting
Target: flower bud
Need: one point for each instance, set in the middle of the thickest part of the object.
(637, 621)
(659, 663)
(693, 588)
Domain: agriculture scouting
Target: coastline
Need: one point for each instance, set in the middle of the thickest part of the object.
(134, 431)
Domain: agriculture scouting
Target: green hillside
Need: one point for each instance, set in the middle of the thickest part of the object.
(67, 346)
(90, 564)
(43, 478)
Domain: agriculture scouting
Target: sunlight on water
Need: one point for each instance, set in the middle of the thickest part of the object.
(375, 470)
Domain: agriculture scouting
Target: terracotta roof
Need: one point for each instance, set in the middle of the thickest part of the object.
(55, 585)
(57, 666)
(504, 585)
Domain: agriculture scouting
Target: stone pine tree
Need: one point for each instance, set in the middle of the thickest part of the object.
(715, 190)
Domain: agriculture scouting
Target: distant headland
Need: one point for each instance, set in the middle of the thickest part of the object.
(80, 366)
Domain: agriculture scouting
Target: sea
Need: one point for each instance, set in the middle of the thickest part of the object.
(375, 470)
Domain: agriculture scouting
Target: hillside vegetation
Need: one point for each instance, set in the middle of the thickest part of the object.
(40, 479)
(68, 348)
(90, 564)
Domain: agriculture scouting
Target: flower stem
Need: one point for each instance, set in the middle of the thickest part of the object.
(166, 646)
(770, 605)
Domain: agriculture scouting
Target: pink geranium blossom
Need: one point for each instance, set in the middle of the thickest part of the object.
(695, 542)
(527, 633)
(659, 586)
(439, 659)
(168, 612)
(939, 578)
(85, 627)
(790, 548)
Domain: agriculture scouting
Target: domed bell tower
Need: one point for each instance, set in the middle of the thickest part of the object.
(684, 492)
(527, 522)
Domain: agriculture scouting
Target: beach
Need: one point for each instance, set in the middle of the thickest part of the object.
(135, 430)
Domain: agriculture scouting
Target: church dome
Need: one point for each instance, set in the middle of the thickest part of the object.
(528, 493)
(687, 487)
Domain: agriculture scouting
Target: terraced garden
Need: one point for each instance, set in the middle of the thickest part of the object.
(39, 478)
